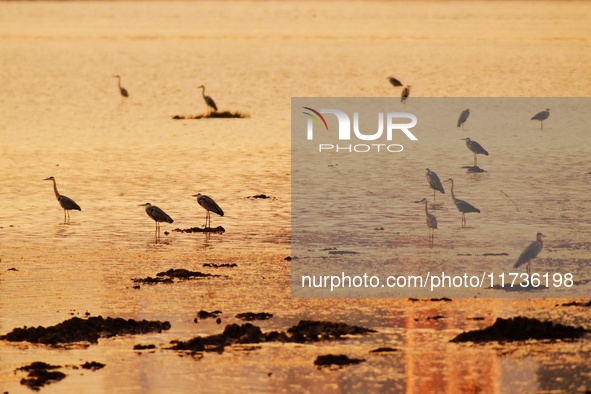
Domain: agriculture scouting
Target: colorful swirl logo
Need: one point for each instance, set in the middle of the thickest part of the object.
(317, 117)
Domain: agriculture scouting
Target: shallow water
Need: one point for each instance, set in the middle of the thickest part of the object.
(62, 116)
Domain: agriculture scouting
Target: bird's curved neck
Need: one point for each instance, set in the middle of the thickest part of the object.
(57, 195)
(426, 210)
(119, 82)
(203, 91)
(452, 191)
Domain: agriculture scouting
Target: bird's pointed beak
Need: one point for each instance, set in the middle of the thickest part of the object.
(195, 195)
(47, 179)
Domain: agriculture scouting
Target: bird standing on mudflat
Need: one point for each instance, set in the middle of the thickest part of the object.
(434, 182)
(541, 116)
(67, 203)
(431, 223)
(210, 206)
(530, 253)
(122, 90)
(463, 117)
(476, 148)
(209, 101)
(463, 206)
(158, 215)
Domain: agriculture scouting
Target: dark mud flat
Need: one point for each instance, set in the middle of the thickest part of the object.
(206, 315)
(473, 169)
(250, 316)
(172, 274)
(262, 197)
(216, 114)
(217, 230)
(93, 365)
(340, 360)
(521, 329)
(40, 374)
(444, 299)
(304, 332)
(384, 350)
(84, 330)
(575, 303)
(223, 265)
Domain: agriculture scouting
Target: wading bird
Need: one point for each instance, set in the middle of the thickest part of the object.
(209, 205)
(405, 94)
(463, 117)
(530, 253)
(394, 82)
(463, 206)
(434, 182)
(122, 90)
(67, 203)
(476, 148)
(541, 116)
(209, 101)
(158, 215)
(431, 223)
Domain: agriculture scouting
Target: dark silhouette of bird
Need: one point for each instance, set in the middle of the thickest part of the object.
(530, 253)
(158, 215)
(463, 117)
(463, 206)
(405, 94)
(394, 82)
(541, 116)
(122, 90)
(434, 183)
(208, 100)
(210, 206)
(66, 203)
(476, 148)
(431, 223)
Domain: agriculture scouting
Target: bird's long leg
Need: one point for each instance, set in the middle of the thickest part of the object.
(542, 125)
(434, 196)
(463, 219)
(475, 160)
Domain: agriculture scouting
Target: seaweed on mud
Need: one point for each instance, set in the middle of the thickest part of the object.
(214, 114)
(521, 328)
(340, 360)
(84, 330)
(40, 374)
(171, 274)
(304, 332)
(217, 230)
(250, 316)
(223, 265)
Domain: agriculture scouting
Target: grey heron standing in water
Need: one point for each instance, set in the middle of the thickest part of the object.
(463, 117)
(210, 206)
(431, 223)
(530, 253)
(396, 83)
(122, 90)
(541, 116)
(67, 203)
(476, 148)
(434, 182)
(209, 101)
(463, 206)
(405, 94)
(158, 215)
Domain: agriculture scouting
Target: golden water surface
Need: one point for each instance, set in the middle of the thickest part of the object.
(62, 116)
